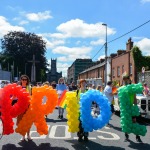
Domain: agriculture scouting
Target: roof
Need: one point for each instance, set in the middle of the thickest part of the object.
(93, 67)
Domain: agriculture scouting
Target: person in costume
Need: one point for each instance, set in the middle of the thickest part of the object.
(127, 81)
(24, 82)
(60, 87)
(81, 133)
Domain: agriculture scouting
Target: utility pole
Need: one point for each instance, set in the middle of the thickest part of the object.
(105, 55)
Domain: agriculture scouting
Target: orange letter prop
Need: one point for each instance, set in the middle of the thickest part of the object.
(37, 111)
(7, 110)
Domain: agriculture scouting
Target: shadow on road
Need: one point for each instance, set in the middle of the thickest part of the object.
(31, 146)
(139, 146)
(55, 121)
(90, 145)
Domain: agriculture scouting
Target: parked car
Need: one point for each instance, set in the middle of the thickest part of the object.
(143, 102)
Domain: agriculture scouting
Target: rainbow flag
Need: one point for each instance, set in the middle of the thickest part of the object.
(62, 102)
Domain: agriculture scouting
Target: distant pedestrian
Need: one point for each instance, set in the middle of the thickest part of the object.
(53, 84)
(72, 87)
(146, 90)
(60, 87)
(100, 88)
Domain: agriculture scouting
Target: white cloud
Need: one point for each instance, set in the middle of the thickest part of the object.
(144, 46)
(78, 28)
(72, 51)
(145, 1)
(71, 58)
(23, 22)
(52, 43)
(101, 57)
(137, 38)
(98, 42)
(78, 42)
(39, 16)
(62, 67)
(5, 27)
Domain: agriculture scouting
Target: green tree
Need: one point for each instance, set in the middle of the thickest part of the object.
(139, 59)
(19, 47)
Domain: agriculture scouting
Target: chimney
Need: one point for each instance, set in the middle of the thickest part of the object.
(113, 55)
(129, 45)
(119, 52)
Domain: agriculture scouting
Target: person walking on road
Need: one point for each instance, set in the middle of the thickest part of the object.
(127, 81)
(60, 87)
(24, 82)
(81, 133)
(109, 94)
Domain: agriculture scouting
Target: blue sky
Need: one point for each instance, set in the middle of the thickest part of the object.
(73, 28)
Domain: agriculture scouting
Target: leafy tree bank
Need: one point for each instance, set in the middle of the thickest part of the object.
(140, 60)
(19, 48)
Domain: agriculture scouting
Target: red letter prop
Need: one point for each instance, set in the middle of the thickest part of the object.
(37, 111)
(7, 110)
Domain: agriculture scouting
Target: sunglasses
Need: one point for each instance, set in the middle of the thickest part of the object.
(24, 79)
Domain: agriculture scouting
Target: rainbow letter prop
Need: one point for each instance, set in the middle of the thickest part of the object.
(7, 110)
(36, 111)
(62, 100)
(128, 109)
(73, 111)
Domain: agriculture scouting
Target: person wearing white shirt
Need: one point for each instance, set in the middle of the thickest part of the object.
(108, 93)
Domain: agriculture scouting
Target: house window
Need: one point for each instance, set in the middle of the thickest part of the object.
(122, 68)
(130, 68)
(118, 71)
(113, 72)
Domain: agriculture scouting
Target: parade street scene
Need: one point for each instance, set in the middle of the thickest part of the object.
(74, 75)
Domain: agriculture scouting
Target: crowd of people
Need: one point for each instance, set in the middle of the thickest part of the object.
(81, 88)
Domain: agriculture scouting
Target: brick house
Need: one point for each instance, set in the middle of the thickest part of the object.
(123, 62)
(97, 71)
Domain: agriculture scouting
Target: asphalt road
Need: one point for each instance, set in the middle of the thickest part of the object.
(58, 138)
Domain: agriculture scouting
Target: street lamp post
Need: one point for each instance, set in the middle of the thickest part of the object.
(105, 55)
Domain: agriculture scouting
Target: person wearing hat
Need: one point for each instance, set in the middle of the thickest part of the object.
(127, 81)
(81, 133)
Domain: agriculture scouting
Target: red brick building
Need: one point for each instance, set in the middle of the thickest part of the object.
(123, 62)
(97, 71)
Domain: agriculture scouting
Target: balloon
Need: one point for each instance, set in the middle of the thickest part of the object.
(7, 110)
(88, 122)
(128, 109)
(72, 112)
(37, 111)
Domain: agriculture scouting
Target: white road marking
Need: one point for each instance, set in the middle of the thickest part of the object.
(90, 138)
(53, 131)
(114, 136)
(38, 137)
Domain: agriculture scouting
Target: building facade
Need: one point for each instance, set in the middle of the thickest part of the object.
(4, 75)
(53, 75)
(78, 66)
(123, 62)
(97, 71)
